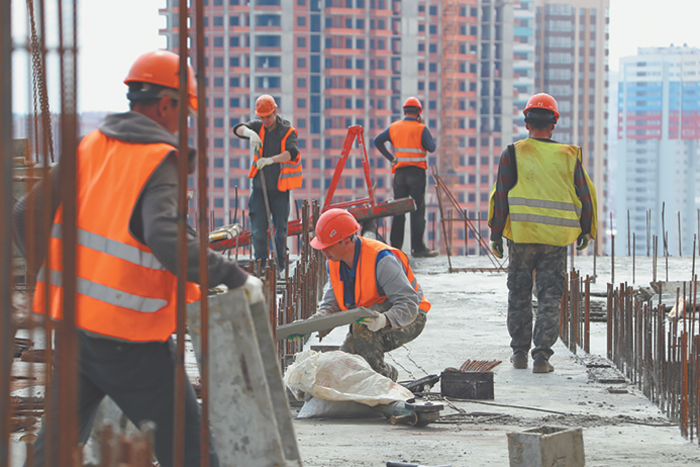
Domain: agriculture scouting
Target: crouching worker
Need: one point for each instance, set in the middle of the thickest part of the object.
(368, 273)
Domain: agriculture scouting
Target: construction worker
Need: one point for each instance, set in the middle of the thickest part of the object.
(412, 142)
(275, 153)
(126, 261)
(542, 202)
(368, 273)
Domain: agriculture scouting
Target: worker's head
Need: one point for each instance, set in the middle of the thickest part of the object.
(335, 230)
(154, 80)
(412, 107)
(541, 112)
(266, 109)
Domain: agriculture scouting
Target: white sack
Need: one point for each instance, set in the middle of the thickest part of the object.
(339, 376)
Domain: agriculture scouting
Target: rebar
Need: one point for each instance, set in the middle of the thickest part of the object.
(659, 353)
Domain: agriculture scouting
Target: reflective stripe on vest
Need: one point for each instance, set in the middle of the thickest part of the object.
(290, 176)
(114, 248)
(366, 293)
(406, 137)
(543, 205)
(122, 290)
(107, 294)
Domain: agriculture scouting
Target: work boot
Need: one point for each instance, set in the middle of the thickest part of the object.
(519, 360)
(541, 365)
(391, 372)
(425, 253)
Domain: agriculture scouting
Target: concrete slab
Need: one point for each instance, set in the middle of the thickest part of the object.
(468, 321)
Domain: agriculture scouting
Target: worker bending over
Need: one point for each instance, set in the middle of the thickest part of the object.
(276, 155)
(412, 142)
(126, 262)
(542, 202)
(368, 273)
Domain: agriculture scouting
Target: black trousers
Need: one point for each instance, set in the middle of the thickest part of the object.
(139, 377)
(410, 181)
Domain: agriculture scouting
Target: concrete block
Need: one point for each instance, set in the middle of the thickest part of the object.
(546, 446)
(249, 412)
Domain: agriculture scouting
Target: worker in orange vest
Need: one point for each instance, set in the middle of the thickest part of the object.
(412, 142)
(126, 261)
(368, 273)
(276, 155)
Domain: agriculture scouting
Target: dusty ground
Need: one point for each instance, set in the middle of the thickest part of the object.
(467, 321)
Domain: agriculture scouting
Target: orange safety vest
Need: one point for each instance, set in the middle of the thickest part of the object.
(290, 171)
(123, 290)
(406, 138)
(366, 293)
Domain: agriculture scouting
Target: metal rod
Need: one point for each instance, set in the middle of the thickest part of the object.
(203, 237)
(179, 409)
(6, 160)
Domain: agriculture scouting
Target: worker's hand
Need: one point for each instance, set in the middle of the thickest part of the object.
(395, 161)
(254, 287)
(374, 324)
(497, 247)
(263, 162)
(582, 242)
(254, 138)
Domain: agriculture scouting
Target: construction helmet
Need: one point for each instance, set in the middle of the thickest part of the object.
(412, 103)
(265, 105)
(544, 102)
(161, 68)
(333, 226)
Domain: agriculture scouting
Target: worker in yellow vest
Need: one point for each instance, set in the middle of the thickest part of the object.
(126, 262)
(368, 273)
(542, 201)
(412, 142)
(276, 155)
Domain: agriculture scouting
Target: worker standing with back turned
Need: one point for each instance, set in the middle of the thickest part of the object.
(276, 157)
(368, 273)
(412, 142)
(126, 262)
(543, 201)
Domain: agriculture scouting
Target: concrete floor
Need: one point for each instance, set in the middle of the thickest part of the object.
(468, 321)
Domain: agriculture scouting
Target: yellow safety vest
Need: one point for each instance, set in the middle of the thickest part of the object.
(543, 205)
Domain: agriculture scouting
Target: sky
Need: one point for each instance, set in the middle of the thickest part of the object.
(112, 34)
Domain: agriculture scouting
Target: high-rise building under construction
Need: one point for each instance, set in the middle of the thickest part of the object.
(335, 63)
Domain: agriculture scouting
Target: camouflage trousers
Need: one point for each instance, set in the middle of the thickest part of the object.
(372, 345)
(549, 262)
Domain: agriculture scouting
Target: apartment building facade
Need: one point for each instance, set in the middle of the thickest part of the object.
(657, 150)
(335, 63)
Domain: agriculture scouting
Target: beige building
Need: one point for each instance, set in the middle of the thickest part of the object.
(571, 64)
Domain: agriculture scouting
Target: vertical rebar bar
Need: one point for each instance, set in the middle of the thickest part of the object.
(6, 160)
(203, 237)
(66, 331)
(634, 257)
(680, 245)
(180, 376)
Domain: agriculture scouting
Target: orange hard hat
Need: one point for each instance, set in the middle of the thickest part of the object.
(162, 68)
(542, 101)
(265, 105)
(333, 226)
(413, 102)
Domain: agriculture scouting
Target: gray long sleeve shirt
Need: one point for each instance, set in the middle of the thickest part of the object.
(154, 218)
(401, 306)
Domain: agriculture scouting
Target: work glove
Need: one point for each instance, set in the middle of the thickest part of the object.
(263, 162)
(497, 247)
(395, 161)
(374, 324)
(254, 288)
(254, 138)
(582, 242)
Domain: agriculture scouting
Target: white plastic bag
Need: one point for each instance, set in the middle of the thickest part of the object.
(339, 376)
